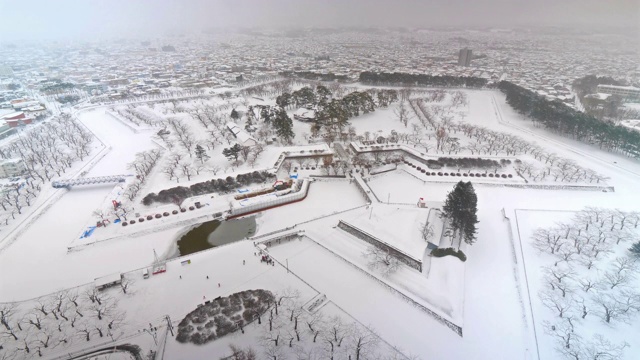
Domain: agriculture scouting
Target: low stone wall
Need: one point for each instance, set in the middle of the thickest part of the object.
(278, 239)
(299, 194)
(364, 189)
(397, 253)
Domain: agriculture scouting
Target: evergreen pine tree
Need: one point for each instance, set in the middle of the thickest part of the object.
(249, 124)
(635, 249)
(201, 153)
(452, 208)
(233, 152)
(460, 208)
(283, 125)
(234, 114)
(470, 215)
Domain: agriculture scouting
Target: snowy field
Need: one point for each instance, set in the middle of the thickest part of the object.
(619, 330)
(487, 295)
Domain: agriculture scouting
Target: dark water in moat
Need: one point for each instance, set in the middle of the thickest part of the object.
(215, 233)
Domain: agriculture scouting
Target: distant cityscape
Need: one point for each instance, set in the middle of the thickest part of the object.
(545, 62)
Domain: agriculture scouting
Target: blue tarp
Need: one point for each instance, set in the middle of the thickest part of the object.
(243, 190)
(116, 221)
(293, 176)
(88, 232)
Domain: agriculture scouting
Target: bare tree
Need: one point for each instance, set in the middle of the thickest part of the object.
(559, 304)
(287, 165)
(608, 308)
(170, 171)
(214, 169)
(7, 312)
(125, 284)
(187, 169)
(84, 333)
(625, 265)
(564, 332)
(402, 113)
(242, 354)
(426, 230)
(363, 343)
(333, 335)
(602, 349)
(616, 279)
(245, 151)
(547, 240)
(381, 260)
(588, 284)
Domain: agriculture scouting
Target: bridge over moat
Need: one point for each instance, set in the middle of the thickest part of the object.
(58, 184)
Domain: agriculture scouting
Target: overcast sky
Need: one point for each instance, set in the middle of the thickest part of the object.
(32, 19)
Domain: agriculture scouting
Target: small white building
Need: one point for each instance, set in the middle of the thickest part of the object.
(241, 135)
(11, 167)
(108, 281)
(304, 114)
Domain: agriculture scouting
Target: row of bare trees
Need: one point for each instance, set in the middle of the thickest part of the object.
(288, 330)
(53, 323)
(157, 97)
(586, 282)
(48, 150)
(589, 236)
(437, 121)
(143, 164)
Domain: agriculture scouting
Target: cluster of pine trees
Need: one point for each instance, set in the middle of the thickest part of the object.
(557, 117)
(333, 113)
(461, 209)
(276, 116)
(384, 78)
(177, 194)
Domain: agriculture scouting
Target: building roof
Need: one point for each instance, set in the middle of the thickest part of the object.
(12, 115)
(101, 281)
(599, 96)
(619, 87)
(240, 133)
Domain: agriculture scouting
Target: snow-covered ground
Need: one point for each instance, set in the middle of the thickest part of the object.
(489, 299)
(38, 262)
(617, 332)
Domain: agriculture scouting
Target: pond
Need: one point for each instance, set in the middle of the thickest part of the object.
(215, 233)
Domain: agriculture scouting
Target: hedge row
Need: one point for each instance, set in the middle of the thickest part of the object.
(469, 174)
(158, 216)
(179, 193)
(469, 162)
(440, 252)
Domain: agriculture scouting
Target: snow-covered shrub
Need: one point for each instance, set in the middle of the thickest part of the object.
(441, 252)
(223, 316)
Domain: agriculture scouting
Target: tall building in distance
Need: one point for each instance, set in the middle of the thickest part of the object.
(464, 58)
